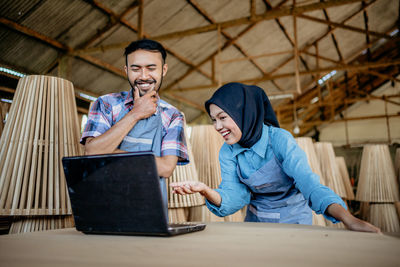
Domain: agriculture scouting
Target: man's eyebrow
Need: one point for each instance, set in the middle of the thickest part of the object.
(139, 66)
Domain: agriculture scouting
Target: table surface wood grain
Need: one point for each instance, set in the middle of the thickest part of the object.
(220, 244)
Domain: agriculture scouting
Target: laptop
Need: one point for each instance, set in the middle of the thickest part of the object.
(119, 194)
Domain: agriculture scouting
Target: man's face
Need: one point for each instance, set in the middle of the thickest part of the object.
(145, 70)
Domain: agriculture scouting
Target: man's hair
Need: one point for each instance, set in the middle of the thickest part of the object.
(145, 44)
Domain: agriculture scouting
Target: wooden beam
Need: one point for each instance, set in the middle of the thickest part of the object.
(104, 65)
(64, 48)
(112, 22)
(296, 55)
(268, 15)
(140, 20)
(354, 67)
(186, 101)
(38, 36)
(257, 56)
(7, 89)
(346, 27)
(333, 37)
(205, 15)
(381, 75)
(134, 29)
(225, 46)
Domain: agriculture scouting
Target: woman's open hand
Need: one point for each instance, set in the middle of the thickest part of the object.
(188, 187)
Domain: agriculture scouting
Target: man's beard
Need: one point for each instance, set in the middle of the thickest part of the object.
(133, 86)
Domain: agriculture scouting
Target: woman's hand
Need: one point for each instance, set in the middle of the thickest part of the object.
(189, 187)
(351, 222)
(356, 224)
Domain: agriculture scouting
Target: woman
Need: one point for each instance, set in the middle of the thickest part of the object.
(263, 167)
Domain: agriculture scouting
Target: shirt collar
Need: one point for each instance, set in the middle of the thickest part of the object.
(260, 147)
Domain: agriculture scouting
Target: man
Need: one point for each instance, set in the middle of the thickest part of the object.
(138, 120)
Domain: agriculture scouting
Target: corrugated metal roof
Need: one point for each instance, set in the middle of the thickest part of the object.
(74, 22)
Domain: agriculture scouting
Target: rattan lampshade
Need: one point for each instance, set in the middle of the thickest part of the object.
(329, 168)
(184, 173)
(206, 143)
(341, 163)
(377, 181)
(41, 128)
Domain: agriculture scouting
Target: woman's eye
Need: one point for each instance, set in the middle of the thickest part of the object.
(223, 117)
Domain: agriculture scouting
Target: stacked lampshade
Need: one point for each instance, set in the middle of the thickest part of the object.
(178, 205)
(378, 186)
(4, 107)
(331, 173)
(307, 145)
(41, 128)
(206, 143)
(341, 163)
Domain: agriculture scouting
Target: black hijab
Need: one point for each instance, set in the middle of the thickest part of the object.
(248, 106)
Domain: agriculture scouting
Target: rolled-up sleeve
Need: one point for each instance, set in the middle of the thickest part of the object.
(174, 142)
(295, 165)
(99, 120)
(234, 194)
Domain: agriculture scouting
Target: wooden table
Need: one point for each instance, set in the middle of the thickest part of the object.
(220, 244)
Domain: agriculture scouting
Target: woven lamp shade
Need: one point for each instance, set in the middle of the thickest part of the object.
(4, 107)
(329, 168)
(377, 181)
(184, 173)
(41, 128)
(384, 216)
(397, 164)
(307, 145)
(346, 178)
(41, 223)
(206, 143)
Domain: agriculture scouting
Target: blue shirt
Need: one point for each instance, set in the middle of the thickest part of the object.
(293, 159)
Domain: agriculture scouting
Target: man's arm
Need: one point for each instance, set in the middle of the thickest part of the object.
(108, 142)
(166, 165)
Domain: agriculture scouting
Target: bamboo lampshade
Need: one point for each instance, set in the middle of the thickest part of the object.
(346, 178)
(384, 216)
(329, 168)
(206, 143)
(307, 145)
(178, 215)
(41, 128)
(377, 181)
(4, 107)
(41, 223)
(184, 173)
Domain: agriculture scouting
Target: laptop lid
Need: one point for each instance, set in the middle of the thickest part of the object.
(116, 193)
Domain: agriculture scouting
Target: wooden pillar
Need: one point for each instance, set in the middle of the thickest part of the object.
(296, 53)
(345, 124)
(140, 20)
(387, 120)
(64, 67)
(219, 57)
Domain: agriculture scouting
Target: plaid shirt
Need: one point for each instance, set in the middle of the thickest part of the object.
(105, 111)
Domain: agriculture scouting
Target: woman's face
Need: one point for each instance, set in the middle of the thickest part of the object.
(225, 125)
